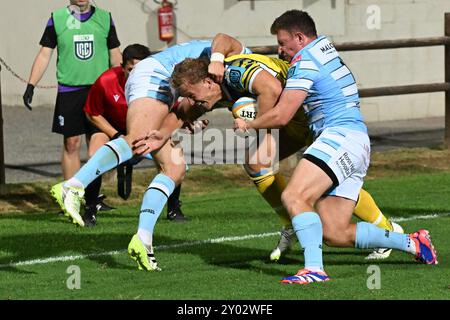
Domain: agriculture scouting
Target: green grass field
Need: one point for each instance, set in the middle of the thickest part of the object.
(222, 252)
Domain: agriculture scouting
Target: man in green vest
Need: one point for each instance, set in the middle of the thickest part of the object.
(87, 46)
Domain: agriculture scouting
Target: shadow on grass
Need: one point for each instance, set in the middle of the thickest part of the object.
(41, 245)
(31, 197)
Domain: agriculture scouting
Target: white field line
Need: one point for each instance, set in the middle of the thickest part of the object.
(185, 244)
(115, 252)
(425, 216)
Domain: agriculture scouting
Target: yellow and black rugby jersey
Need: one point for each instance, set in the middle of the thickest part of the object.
(242, 69)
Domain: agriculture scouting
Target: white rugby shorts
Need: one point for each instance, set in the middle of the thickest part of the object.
(343, 154)
(149, 79)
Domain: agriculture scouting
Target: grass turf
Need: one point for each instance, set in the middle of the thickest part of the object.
(234, 269)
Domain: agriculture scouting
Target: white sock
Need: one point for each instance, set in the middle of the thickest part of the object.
(146, 238)
(74, 182)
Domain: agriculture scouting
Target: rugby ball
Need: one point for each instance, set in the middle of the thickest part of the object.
(245, 108)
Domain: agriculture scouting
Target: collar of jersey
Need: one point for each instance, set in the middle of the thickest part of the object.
(308, 46)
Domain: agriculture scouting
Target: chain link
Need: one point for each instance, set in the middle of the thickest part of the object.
(22, 79)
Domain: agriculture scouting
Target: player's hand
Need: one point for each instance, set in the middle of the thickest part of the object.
(195, 126)
(28, 96)
(216, 70)
(152, 141)
(240, 125)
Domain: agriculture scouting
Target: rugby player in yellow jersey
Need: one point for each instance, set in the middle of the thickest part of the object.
(261, 77)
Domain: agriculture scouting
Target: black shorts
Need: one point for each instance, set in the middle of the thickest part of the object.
(93, 129)
(69, 118)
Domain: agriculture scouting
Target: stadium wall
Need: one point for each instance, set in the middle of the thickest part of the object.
(22, 23)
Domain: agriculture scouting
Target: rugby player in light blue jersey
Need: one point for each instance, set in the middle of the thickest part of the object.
(322, 192)
(149, 98)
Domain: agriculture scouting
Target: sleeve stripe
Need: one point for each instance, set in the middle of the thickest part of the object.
(304, 83)
(340, 73)
(296, 88)
(250, 85)
(350, 90)
(248, 75)
(308, 64)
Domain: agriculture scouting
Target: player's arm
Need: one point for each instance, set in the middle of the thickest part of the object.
(227, 45)
(155, 139)
(268, 90)
(222, 46)
(171, 123)
(303, 74)
(280, 115)
(183, 113)
(102, 124)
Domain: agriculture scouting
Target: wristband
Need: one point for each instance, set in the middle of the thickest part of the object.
(217, 56)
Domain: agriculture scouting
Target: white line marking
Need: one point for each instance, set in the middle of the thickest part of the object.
(186, 244)
(425, 217)
(116, 252)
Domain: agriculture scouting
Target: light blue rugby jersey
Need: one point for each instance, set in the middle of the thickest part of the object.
(333, 99)
(192, 49)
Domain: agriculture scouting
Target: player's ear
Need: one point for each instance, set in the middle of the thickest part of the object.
(299, 37)
(208, 81)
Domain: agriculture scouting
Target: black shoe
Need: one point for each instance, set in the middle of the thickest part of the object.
(101, 206)
(176, 214)
(90, 218)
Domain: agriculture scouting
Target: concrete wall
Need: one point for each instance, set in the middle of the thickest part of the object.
(22, 23)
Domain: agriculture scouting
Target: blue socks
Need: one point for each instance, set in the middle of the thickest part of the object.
(153, 203)
(308, 229)
(106, 158)
(370, 236)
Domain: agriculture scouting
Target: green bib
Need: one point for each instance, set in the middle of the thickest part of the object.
(83, 53)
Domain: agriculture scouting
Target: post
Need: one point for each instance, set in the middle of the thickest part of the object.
(447, 79)
(2, 154)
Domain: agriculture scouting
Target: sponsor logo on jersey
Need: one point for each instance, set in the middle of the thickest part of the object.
(291, 72)
(235, 76)
(84, 46)
(327, 47)
(116, 97)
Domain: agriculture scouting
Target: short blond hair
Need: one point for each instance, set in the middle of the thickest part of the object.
(190, 71)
